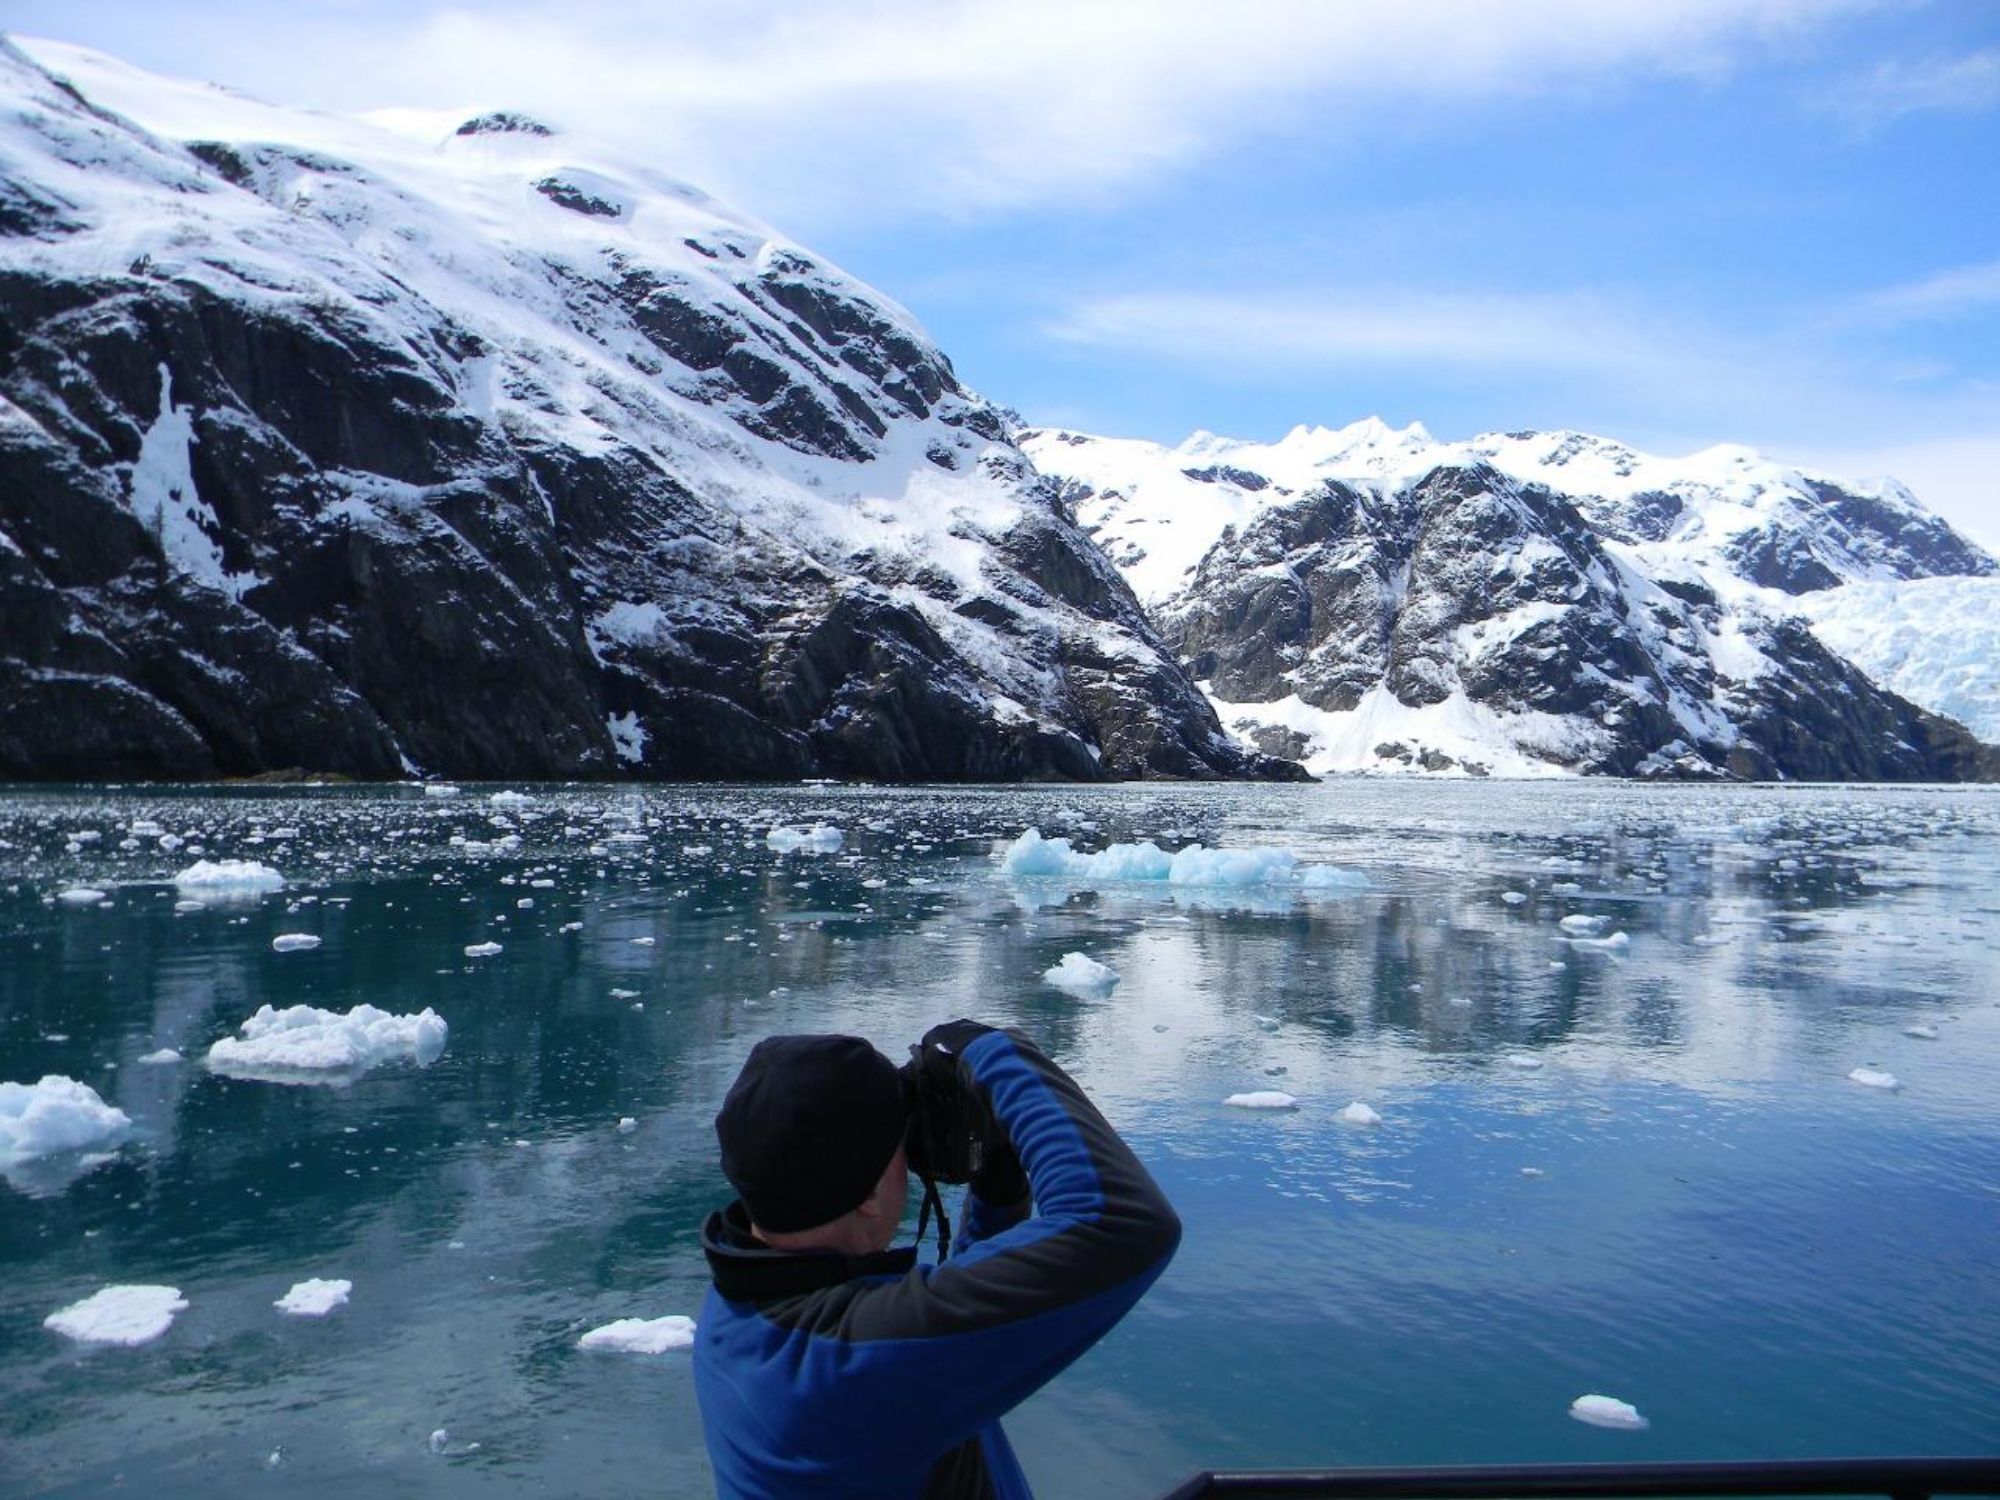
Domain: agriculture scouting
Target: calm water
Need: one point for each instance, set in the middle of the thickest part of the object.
(1686, 1205)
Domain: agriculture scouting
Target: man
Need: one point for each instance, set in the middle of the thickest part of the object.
(827, 1364)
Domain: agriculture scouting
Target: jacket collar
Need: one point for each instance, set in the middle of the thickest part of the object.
(745, 1269)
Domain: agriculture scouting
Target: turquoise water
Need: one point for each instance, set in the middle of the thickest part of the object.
(1686, 1204)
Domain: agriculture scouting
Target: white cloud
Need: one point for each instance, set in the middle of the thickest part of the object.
(1960, 85)
(878, 109)
(1942, 297)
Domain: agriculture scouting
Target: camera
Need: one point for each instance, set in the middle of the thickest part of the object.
(945, 1133)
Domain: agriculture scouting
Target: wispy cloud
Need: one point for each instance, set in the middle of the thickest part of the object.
(1943, 297)
(884, 109)
(1969, 84)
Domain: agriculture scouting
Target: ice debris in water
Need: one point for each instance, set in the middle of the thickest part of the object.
(440, 789)
(162, 1057)
(1527, 1062)
(821, 838)
(293, 942)
(314, 1298)
(1262, 1099)
(627, 1124)
(1514, 898)
(641, 1335)
(302, 1044)
(1082, 975)
(1875, 1078)
(81, 895)
(55, 1116)
(1031, 856)
(127, 1315)
(1608, 1411)
(224, 878)
(440, 1439)
(1924, 1033)
(1578, 924)
(1358, 1113)
(481, 950)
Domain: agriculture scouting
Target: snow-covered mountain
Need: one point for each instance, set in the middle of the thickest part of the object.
(1370, 598)
(473, 448)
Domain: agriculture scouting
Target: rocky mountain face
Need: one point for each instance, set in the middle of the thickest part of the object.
(1371, 599)
(483, 455)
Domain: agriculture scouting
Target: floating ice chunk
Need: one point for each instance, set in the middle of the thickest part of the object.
(1031, 856)
(1875, 1078)
(226, 879)
(1618, 942)
(80, 895)
(1262, 1099)
(127, 1315)
(1608, 1411)
(1082, 975)
(440, 789)
(1514, 898)
(162, 1057)
(510, 799)
(293, 942)
(314, 1298)
(1527, 1062)
(1358, 1113)
(821, 838)
(1533, 1172)
(54, 1117)
(301, 1044)
(1925, 1033)
(1322, 879)
(1579, 924)
(627, 1125)
(440, 1439)
(481, 950)
(641, 1335)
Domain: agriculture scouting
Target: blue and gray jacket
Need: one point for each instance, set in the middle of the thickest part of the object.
(827, 1375)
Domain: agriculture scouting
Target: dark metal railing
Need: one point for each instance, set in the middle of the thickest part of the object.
(1897, 1478)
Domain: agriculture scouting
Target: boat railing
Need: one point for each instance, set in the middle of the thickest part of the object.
(1894, 1478)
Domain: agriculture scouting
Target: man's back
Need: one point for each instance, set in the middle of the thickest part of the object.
(829, 1375)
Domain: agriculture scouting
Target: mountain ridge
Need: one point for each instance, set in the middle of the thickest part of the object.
(497, 456)
(1369, 598)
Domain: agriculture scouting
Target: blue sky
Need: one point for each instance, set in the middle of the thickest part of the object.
(1674, 222)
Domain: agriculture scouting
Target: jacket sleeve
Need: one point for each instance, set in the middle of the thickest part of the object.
(928, 1358)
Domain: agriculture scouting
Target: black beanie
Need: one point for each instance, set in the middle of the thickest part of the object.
(808, 1127)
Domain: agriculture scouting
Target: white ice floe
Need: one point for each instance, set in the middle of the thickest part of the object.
(1527, 1062)
(162, 1057)
(1031, 856)
(1579, 924)
(482, 950)
(821, 838)
(510, 799)
(223, 879)
(1082, 975)
(440, 789)
(1358, 1113)
(1923, 1033)
(1875, 1078)
(1608, 1411)
(80, 895)
(314, 1298)
(1617, 942)
(125, 1315)
(293, 942)
(641, 1335)
(1514, 898)
(627, 1124)
(301, 1044)
(55, 1117)
(1262, 1099)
